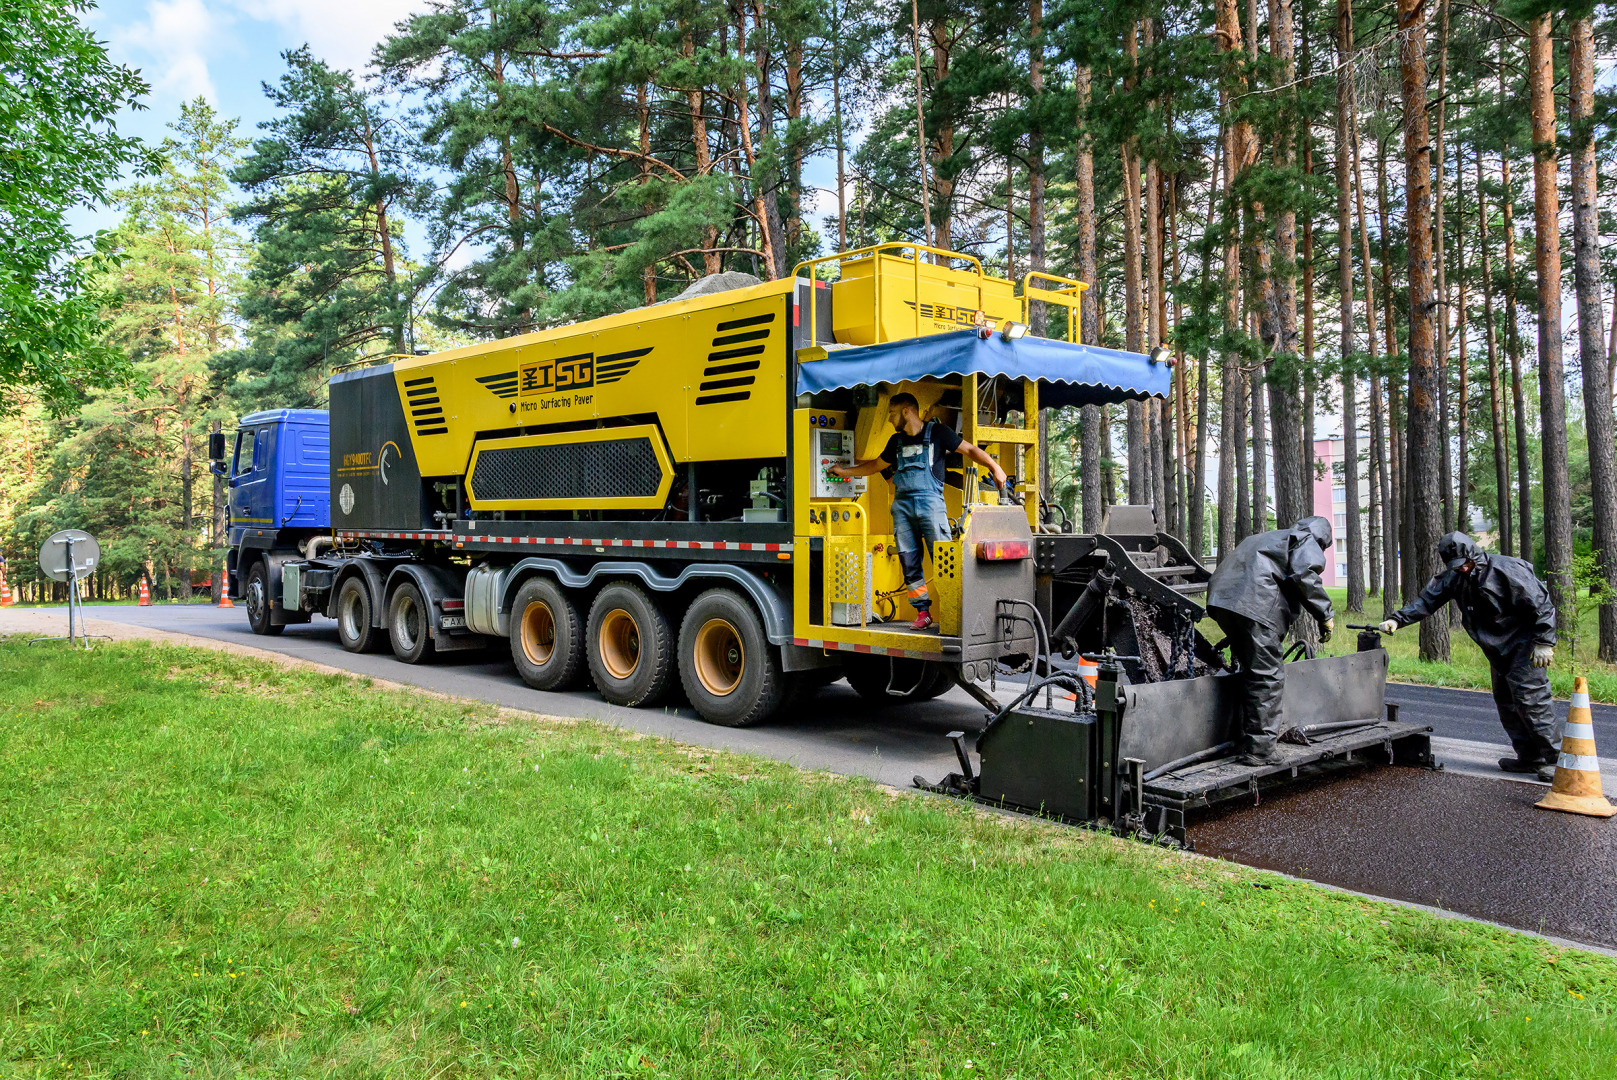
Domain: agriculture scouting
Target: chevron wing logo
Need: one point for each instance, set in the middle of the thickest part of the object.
(614, 366)
(503, 385)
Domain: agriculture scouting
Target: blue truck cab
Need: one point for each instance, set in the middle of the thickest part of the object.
(279, 475)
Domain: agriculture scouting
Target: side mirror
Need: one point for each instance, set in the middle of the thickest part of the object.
(216, 446)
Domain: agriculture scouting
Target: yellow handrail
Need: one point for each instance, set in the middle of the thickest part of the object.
(1069, 296)
(872, 252)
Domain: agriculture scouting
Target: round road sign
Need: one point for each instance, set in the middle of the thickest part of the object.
(53, 555)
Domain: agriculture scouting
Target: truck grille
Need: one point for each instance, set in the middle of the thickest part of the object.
(607, 469)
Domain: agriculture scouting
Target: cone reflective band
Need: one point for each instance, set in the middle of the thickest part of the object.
(1089, 672)
(1003, 550)
(1576, 789)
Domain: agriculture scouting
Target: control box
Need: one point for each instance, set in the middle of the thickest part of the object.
(834, 447)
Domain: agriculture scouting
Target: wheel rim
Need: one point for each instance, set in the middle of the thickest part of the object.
(619, 643)
(255, 600)
(351, 616)
(538, 633)
(720, 658)
(408, 620)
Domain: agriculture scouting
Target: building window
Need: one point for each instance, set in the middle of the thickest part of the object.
(1341, 571)
(1339, 494)
(1341, 520)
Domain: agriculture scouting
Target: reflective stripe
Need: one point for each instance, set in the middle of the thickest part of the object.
(1578, 731)
(1580, 701)
(1579, 762)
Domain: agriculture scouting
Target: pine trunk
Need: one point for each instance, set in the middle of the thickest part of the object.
(1597, 410)
(1344, 284)
(1440, 267)
(1089, 322)
(1496, 405)
(1551, 374)
(1427, 448)
(1513, 345)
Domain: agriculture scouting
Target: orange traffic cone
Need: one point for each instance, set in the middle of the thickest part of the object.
(145, 594)
(1577, 775)
(224, 595)
(1089, 671)
(5, 593)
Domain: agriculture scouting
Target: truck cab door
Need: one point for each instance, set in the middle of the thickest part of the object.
(251, 488)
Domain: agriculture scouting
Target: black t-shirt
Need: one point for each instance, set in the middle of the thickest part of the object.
(945, 440)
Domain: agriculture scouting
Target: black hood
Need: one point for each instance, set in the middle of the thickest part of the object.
(1317, 527)
(1456, 549)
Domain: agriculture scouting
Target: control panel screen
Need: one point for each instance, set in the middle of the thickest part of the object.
(834, 447)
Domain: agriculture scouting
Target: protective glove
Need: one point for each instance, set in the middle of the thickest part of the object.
(1543, 655)
(1326, 631)
(1389, 627)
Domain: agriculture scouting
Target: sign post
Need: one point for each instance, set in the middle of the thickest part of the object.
(68, 556)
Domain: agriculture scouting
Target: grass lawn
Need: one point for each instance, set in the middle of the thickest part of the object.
(214, 866)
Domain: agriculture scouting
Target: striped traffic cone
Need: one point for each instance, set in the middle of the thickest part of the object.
(145, 594)
(1577, 774)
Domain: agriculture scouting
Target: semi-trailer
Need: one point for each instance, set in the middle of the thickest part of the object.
(646, 501)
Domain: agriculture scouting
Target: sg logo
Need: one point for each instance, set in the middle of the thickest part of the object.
(561, 373)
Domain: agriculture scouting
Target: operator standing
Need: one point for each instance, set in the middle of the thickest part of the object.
(1255, 595)
(1509, 614)
(915, 454)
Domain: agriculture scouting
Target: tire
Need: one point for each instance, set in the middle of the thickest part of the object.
(547, 642)
(939, 682)
(409, 625)
(630, 647)
(259, 602)
(921, 680)
(730, 672)
(353, 610)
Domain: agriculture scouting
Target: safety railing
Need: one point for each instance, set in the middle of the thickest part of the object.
(1069, 295)
(874, 253)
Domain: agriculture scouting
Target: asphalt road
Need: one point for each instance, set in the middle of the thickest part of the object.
(836, 731)
(1466, 840)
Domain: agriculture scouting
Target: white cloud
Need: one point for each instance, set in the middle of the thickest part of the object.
(170, 44)
(342, 33)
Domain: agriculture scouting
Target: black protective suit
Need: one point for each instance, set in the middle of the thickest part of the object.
(1506, 610)
(1255, 595)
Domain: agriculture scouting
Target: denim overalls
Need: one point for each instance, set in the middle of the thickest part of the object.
(918, 512)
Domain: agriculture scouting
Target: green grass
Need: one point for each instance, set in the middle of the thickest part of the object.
(217, 867)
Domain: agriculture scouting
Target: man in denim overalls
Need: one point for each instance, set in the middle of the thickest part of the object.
(915, 454)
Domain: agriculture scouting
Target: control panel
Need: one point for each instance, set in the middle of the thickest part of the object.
(834, 447)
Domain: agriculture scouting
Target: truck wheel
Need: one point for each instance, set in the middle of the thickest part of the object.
(631, 649)
(546, 644)
(259, 601)
(938, 682)
(409, 624)
(870, 677)
(354, 627)
(730, 673)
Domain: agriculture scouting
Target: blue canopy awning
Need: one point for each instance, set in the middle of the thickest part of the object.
(1068, 374)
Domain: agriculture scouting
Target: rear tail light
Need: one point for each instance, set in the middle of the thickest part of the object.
(1003, 550)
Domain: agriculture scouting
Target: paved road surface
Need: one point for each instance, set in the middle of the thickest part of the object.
(837, 732)
(1468, 840)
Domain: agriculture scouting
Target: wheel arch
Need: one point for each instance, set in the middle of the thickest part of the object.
(437, 584)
